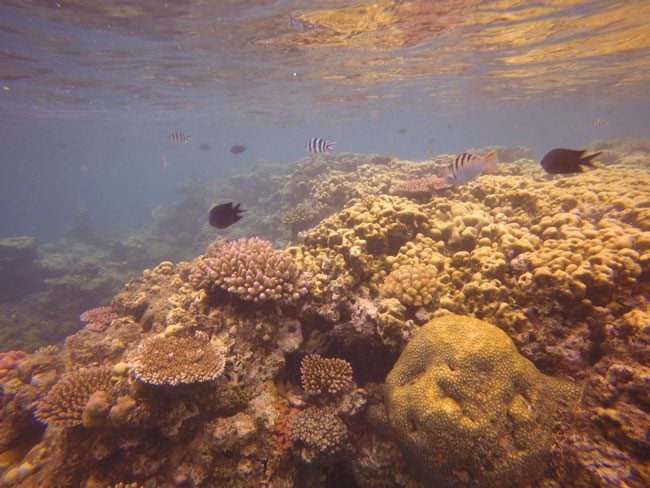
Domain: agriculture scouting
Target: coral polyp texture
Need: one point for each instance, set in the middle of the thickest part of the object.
(252, 270)
(411, 284)
(419, 187)
(318, 432)
(98, 319)
(163, 360)
(468, 409)
(66, 403)
(324, 375)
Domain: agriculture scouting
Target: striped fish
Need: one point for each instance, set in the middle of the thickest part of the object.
(179, 138)
(318, 145)
(467, 166)
(600, 122)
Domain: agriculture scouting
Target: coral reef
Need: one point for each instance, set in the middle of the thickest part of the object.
(201, 385)
(468, 409)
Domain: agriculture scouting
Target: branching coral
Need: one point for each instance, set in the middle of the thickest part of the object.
(325, 375)
(64, 406)
(98, 319)
(161, 360)
(319, 432)
(252, 270)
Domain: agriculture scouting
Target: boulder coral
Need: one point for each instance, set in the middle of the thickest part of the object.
(468, 410)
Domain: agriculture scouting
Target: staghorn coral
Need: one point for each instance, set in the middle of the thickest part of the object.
(98, 319)
(324, 375)
(412, 285)
(172, 360)
(318, 433)
(467, 409)
(253, 271)
(64, 406)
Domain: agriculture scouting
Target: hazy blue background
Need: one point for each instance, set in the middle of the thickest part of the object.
(89, 95)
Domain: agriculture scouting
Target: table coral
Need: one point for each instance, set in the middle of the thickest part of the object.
(161, 360)
(468, 409)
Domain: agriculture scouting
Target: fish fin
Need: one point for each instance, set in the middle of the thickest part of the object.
(587, 160)
(491, 161)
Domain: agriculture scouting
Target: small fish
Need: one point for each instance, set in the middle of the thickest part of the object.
(318, 145)
(205, 147)
(564, 161)
(600, 122)
(238, 149)
(402, 130)
(225, 215)
(467, 166)
(179, 138)
(163, 161)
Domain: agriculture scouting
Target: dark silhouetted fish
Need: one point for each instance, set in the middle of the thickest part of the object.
(225, 215)
(318, 145)
(205, 147)
(564, 161)
(238, 149)
(179, 138)
(402, 130)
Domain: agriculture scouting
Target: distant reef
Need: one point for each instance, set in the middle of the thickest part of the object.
(352, 332)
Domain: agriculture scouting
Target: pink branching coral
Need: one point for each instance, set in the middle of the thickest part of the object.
(419, 187)
(319, 375)
(64, 405)
(98, 319)
(318, 431)
(252, 270)
(160, 360)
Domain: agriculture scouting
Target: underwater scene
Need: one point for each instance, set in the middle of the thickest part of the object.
(325, 244)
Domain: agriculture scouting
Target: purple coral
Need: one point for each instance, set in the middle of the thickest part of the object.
(98, 319)
(419, 187)
(252, 270)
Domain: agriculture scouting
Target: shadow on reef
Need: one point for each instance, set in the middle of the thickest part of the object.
(494, 334)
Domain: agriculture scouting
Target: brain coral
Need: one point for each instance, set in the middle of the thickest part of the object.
(468, 409)
(252, 270)
(411, 284)
(172, 360)
(320, 375)
(64, 405)
(318, 431)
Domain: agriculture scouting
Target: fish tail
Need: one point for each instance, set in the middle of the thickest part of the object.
(587, 160)
(491, 161)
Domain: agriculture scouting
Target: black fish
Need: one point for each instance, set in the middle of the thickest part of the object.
(225, 215)
(564, 161)
(401, 130)
(204, 147)
(239, 148)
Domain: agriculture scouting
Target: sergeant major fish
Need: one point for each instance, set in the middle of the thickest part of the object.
(179, 137)
(467, 166)
(318, 145)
